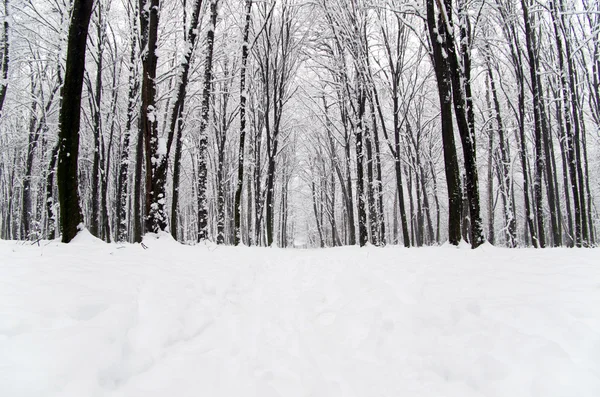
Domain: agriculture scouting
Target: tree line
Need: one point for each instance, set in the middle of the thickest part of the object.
(301, 123)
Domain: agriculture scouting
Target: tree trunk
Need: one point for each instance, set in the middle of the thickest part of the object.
(537, 130)
(31, 146)
(505, 179)
(5, 56)
(358, 135)
(568, 137)
(203, 137)
(243, 98)
(122, 187)
(71, 216)
(463, 110)
(437, 34)
(156, 161)
(50, 214)
(176, 124)
(97, 125)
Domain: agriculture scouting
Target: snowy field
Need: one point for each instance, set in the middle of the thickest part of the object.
(91, 319)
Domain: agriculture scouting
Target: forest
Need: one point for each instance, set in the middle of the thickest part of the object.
(301, 123)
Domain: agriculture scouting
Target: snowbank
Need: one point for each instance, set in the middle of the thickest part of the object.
(94, 319)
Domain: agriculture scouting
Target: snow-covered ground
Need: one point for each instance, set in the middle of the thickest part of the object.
(92, 319)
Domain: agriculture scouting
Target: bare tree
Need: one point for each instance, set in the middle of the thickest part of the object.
(70, 210)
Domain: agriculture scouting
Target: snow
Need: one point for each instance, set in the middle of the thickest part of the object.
(96, 319)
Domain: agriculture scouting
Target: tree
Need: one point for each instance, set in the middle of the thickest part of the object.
(4, 57)
(176, 124)
(154, 148)
(237, 206)
(202, 137)
(437, 36)
(132, 106)
(70, 210)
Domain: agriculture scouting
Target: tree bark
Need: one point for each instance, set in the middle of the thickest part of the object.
(71, 216)
(437, 32)
(237, 210)
(122, 186)
(154, 148)
(176, 124)
(203, 137)
(5, 56)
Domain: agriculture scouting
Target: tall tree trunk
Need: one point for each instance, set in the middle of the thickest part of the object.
(138, 225)
(97, 124)
(378, 181)
(437, 34)
(203, 136)
(463, 110)
(5, 56)
(576, 143)
(505, 179)
(531, 45)
(350, 207)
(243, 99)
(550, 172)
(122, 186)
(490, 174)
(71, 216)
(31, 146)
(156, 161)
(176, 124)
(373, 215)
(568, 137)
(221, 193)
(565, 171)
(358, 135)
(437, 203)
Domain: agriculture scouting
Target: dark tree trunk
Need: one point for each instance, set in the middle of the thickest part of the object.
(463, 109)
(568, 137)
(576, 142)
(490, 174)
(5, 57)
(203, 137)
(155, 154)
(537, 130)
(437, 34)
(565, 172)
(237, 210)
(138, 225)
(71, 216)
(411, 206)
(122, 187)
(50, 214)
(221, 192)
(373, 215)
(176, 124)
(358, 135)
(350, 207)
(550, 172)
(96, 101)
